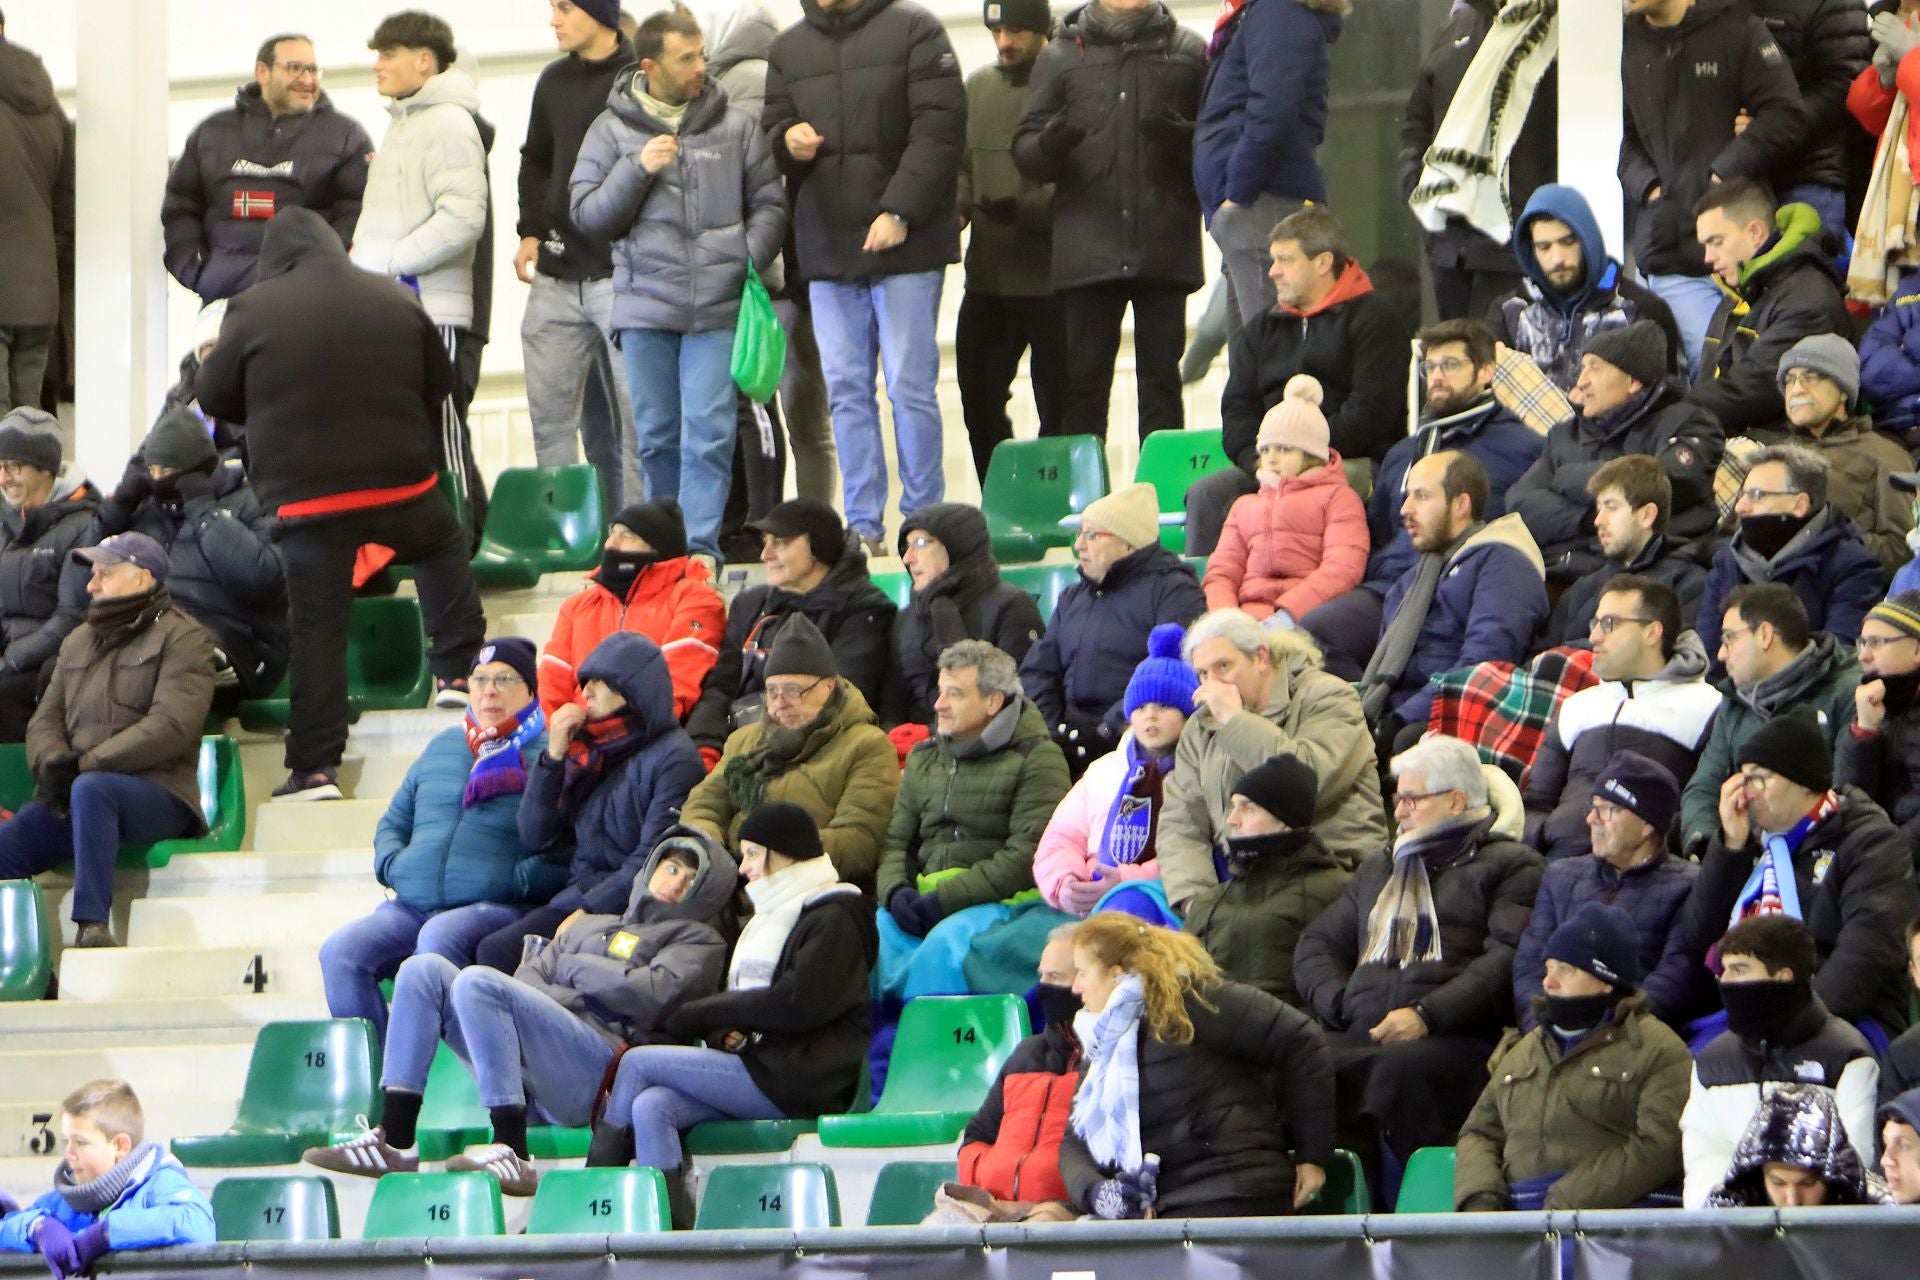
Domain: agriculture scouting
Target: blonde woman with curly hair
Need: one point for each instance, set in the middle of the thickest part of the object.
(1194, 1089)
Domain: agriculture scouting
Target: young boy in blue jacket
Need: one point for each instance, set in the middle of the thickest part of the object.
(113, 1191)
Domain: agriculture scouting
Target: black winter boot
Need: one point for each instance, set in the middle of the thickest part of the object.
(680, 1196)
(612, 1146)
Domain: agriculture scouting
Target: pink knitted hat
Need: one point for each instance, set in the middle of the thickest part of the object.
(1296, 422)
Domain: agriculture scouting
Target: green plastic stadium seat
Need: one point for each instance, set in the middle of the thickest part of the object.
(745, 1137)
(540, 520)
(945, 1055)
(26, 941)
(552, 1142)
(903, 1194)
(1427, 1185)
(386, 665)
(411, 1205)
(275, 1209)
(1044, 582)
(1030, 484)
(898, 586)
(1345, 1190)
(599, 1202)
(305, 1083)
(451, 1117)
(1171, 461)
(222, 802)
(787, 1196)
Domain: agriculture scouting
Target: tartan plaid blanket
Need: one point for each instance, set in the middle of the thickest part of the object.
(1526, 392)
(1504, 710)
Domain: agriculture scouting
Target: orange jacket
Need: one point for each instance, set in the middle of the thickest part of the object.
(672, 603)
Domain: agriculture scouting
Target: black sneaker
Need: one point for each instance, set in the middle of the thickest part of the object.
(314, 784)
(450, 694)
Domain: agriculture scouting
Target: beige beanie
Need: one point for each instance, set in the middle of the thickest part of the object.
(1296, 422)
(1131, 514)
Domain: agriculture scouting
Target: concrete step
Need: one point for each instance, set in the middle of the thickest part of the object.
(536, 626)
(262, 871)
(101, 1024)
(370, 775)
(230, 920)
(315, 824)
(205, 1071)
(156, 973)
(29, 1129)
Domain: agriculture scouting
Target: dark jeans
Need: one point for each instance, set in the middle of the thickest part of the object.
(1404, 1096)
(1208, 501)
(19, 695)
(1347, 628)
(1460, 292)
(988, 340)
(1093, 316)
(501, 949)
(23, 365)
(108, 810)
(319, 557)
(759, 475)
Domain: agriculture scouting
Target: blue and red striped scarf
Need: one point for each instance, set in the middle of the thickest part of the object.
(498, 769)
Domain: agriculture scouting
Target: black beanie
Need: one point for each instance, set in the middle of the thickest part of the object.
(800, 650)
(660, 523)
(1792, 746)
(179, 440)
(1285, 786)
(1601, 939)
(784, 828)
(517, 652)
(1638, 350)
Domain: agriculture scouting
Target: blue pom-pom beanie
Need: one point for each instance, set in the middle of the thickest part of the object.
(1161, 676)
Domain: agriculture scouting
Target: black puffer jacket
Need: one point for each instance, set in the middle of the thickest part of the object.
(1885, 766)
(1224, 1112)
(1684, 85)
(1483, 891)
(855, 616)
(43, 594)
(879, 82)
(1124, 205)
(36, 199)
(1826, 44)
(567, 98)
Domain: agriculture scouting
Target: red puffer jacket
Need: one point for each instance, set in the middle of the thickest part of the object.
(1012, 1145)
(672, 603)
(1293, 546)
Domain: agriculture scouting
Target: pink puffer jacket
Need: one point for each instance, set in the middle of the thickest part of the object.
(1293, 546)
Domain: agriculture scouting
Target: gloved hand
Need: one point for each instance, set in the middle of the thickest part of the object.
(998, 208)
(1886, 66)
(1060, 136)
(1893, 35)
(88, 1247)
(1079, 896)
(56, 778)
(55, 1243)
(189, 485)
(1127, 1195)
(915, 913)
(136, 482)
(1168, 129)
(900, 907)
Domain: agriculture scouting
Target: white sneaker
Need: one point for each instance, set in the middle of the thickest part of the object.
(517, 1177)
(367, 1155)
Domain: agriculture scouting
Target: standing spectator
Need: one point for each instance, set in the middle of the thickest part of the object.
(115, 744)
(341, 379)
(1826, 45)
(1263, 115)
(1111, 126)
(1009, 306)
(49, 511)
(1880, 751)
(280, 145)
(576, 379)
(36, 222)
(1691, 69)
(1632, 497)
(678, 179)
(867, 116)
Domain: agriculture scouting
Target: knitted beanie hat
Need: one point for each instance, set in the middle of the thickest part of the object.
(1161, 677)
(30, 436)
(1599, 939)
(517, 652)
(1900, 611)
(660, 523)
(1829, 355)
(1296, 422)
(1131, 514)
(1285, 786)
(179, 440)
(1791, 745)
(784, 828)
(1638, 350)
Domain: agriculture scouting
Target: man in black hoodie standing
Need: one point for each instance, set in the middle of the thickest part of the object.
(36, 221)
(340, 377)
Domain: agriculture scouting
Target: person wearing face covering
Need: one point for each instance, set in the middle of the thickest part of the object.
(647, 583)
(1583, 1111)
(1880, 752)
(1777, 1030)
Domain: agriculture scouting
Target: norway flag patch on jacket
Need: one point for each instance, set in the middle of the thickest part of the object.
(253, 204)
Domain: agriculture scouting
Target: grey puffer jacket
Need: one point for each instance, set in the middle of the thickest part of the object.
(681, 237)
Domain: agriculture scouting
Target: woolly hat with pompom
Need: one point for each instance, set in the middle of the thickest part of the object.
(1161, 677)
(1296, 422)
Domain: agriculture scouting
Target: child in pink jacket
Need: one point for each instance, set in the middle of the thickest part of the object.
(1302, 539)
(1103, 832)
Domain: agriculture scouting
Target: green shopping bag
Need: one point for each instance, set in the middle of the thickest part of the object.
(759, 343)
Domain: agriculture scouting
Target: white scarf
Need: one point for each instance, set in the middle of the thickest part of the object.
(777, 902)
(1465, 170)
(1106, 1107)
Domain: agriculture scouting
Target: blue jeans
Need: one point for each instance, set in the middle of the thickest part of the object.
(1693, 300)
(891, 318)
(667, 1089)
(357, 955)
(683, 417)
(523, 1049)
(107, 810)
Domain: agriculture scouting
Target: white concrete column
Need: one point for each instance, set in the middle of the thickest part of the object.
(120, 282)
(1590, 117)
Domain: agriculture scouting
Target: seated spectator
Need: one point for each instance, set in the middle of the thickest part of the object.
(1105, 832)
(110, 1171)
(608, 787)
(1077, 672)
(1302, 539)
(1651, 697)
(813, 568)
(1411, 970)
(1880, 751)
(1584, 1110)
(1262, 693)
(1777, 1030)
(1632, 498)
(114, 745)
(1820, 381)
(1633, 803)
(1201, 1098)
(1330, 323)
(1900, 1147)
(957, 595)
(1900, 1063)
(1774, 663)
(222, 569)
(1279, 879)
(1789, 843)
(1795, 1154)
(538, 1043)
(817, 747)
(788, 1033)
(1461, 415)
(1890, 361)
(1626, 406)
(1476, 594)
(1789, 532)
(1572, 291)
(1775, 266)
(448, 845)
(647, 583)
(48, 512)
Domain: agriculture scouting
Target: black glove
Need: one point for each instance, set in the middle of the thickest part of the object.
(1168, 129)
(56, 778)
(900, 907)
(136, 483)
(998, 208)
(189, 485)
(1059, 137)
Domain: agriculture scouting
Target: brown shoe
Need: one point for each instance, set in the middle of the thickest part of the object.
(94, 934)
(365, 1155)
(517, 1177)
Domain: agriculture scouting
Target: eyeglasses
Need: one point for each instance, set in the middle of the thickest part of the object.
(298, 70)
(791, 692)
(12, 468)
(1607, 622)
(1873, 644)
(502, 683)
(921, 542)
(1404, 800)
(1605, 811)
(1802, 378)
(1089, 535)
(1756, 495)
(1728, 635)
(1757, 779)
(1450, 365)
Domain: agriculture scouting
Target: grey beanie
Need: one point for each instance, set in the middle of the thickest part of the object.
(179, 440)
(1638, 350)
(1829, 355)
(30, 436)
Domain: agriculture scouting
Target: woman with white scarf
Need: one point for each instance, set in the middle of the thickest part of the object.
(1194, 1088)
